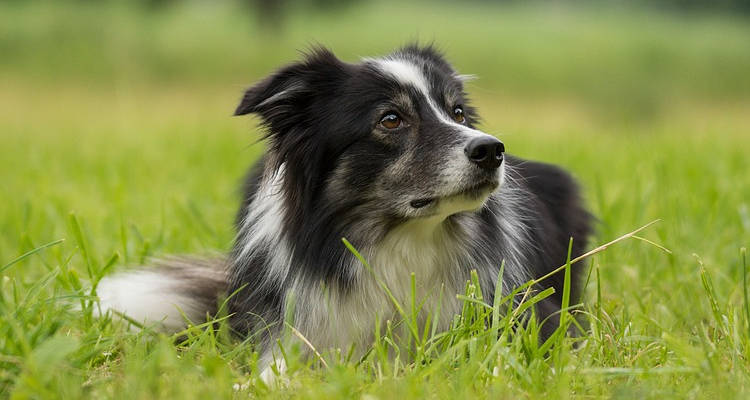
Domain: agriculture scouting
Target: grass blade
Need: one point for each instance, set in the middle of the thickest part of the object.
(589, 253)
(566, 289)
(29, 254)
(78, 233)
(496, 301)
(708, 286)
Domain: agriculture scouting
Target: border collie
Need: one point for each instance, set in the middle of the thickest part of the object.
(386, 154)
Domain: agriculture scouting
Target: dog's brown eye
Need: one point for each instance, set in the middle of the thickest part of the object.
(391, 120)
(458, 115)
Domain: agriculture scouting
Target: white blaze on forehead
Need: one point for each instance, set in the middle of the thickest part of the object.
(405, 72)
(409, 73)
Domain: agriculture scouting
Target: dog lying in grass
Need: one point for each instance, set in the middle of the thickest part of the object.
(386, 154)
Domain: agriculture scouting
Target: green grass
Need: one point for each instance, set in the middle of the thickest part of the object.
(117, 137)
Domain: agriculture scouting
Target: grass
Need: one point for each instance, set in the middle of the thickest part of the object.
(117, 145)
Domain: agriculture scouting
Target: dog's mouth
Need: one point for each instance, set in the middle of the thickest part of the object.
(472, 192)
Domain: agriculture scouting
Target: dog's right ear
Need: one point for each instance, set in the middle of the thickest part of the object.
(291, 86)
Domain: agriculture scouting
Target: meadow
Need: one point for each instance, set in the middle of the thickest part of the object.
(117, 144)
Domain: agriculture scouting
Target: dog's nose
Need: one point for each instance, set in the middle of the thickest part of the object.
(485, 151)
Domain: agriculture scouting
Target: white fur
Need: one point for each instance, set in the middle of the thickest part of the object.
(330, 319)
(465, 77)
(262, 227)
(274, 378)
(148, 297)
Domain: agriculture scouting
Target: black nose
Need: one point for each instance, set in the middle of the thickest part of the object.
(486, 152)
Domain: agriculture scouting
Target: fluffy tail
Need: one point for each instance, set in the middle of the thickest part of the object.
(163, 294)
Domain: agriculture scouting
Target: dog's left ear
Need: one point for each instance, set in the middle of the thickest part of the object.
(291, 86)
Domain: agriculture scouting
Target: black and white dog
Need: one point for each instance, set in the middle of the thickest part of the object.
(384, 153)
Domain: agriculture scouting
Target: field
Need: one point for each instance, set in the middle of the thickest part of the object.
(116, 138)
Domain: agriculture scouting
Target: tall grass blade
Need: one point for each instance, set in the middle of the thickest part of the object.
(589, 253)
(708, 286)
(566, 289)
(80, 240)
(29, 254)
(496, 302)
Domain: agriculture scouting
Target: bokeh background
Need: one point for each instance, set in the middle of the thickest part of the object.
(98, 95)
(115, 117)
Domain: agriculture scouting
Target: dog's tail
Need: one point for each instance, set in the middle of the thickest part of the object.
(165, 295)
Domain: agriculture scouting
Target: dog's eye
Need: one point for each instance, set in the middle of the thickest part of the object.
(391, 121)
(458, 115)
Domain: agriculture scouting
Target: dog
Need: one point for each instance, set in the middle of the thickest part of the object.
(386, 154)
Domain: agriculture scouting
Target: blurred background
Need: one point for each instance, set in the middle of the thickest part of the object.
(632, 61)
(120, 111)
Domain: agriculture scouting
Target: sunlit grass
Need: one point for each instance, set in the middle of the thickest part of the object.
(117, 137)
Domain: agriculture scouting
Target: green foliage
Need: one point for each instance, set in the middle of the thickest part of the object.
(117, 145)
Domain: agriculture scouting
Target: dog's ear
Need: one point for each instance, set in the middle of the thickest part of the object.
(290, 86)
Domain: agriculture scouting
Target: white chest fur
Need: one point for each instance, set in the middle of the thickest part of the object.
(330, 319)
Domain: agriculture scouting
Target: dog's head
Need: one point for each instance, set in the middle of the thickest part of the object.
(389, 139)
